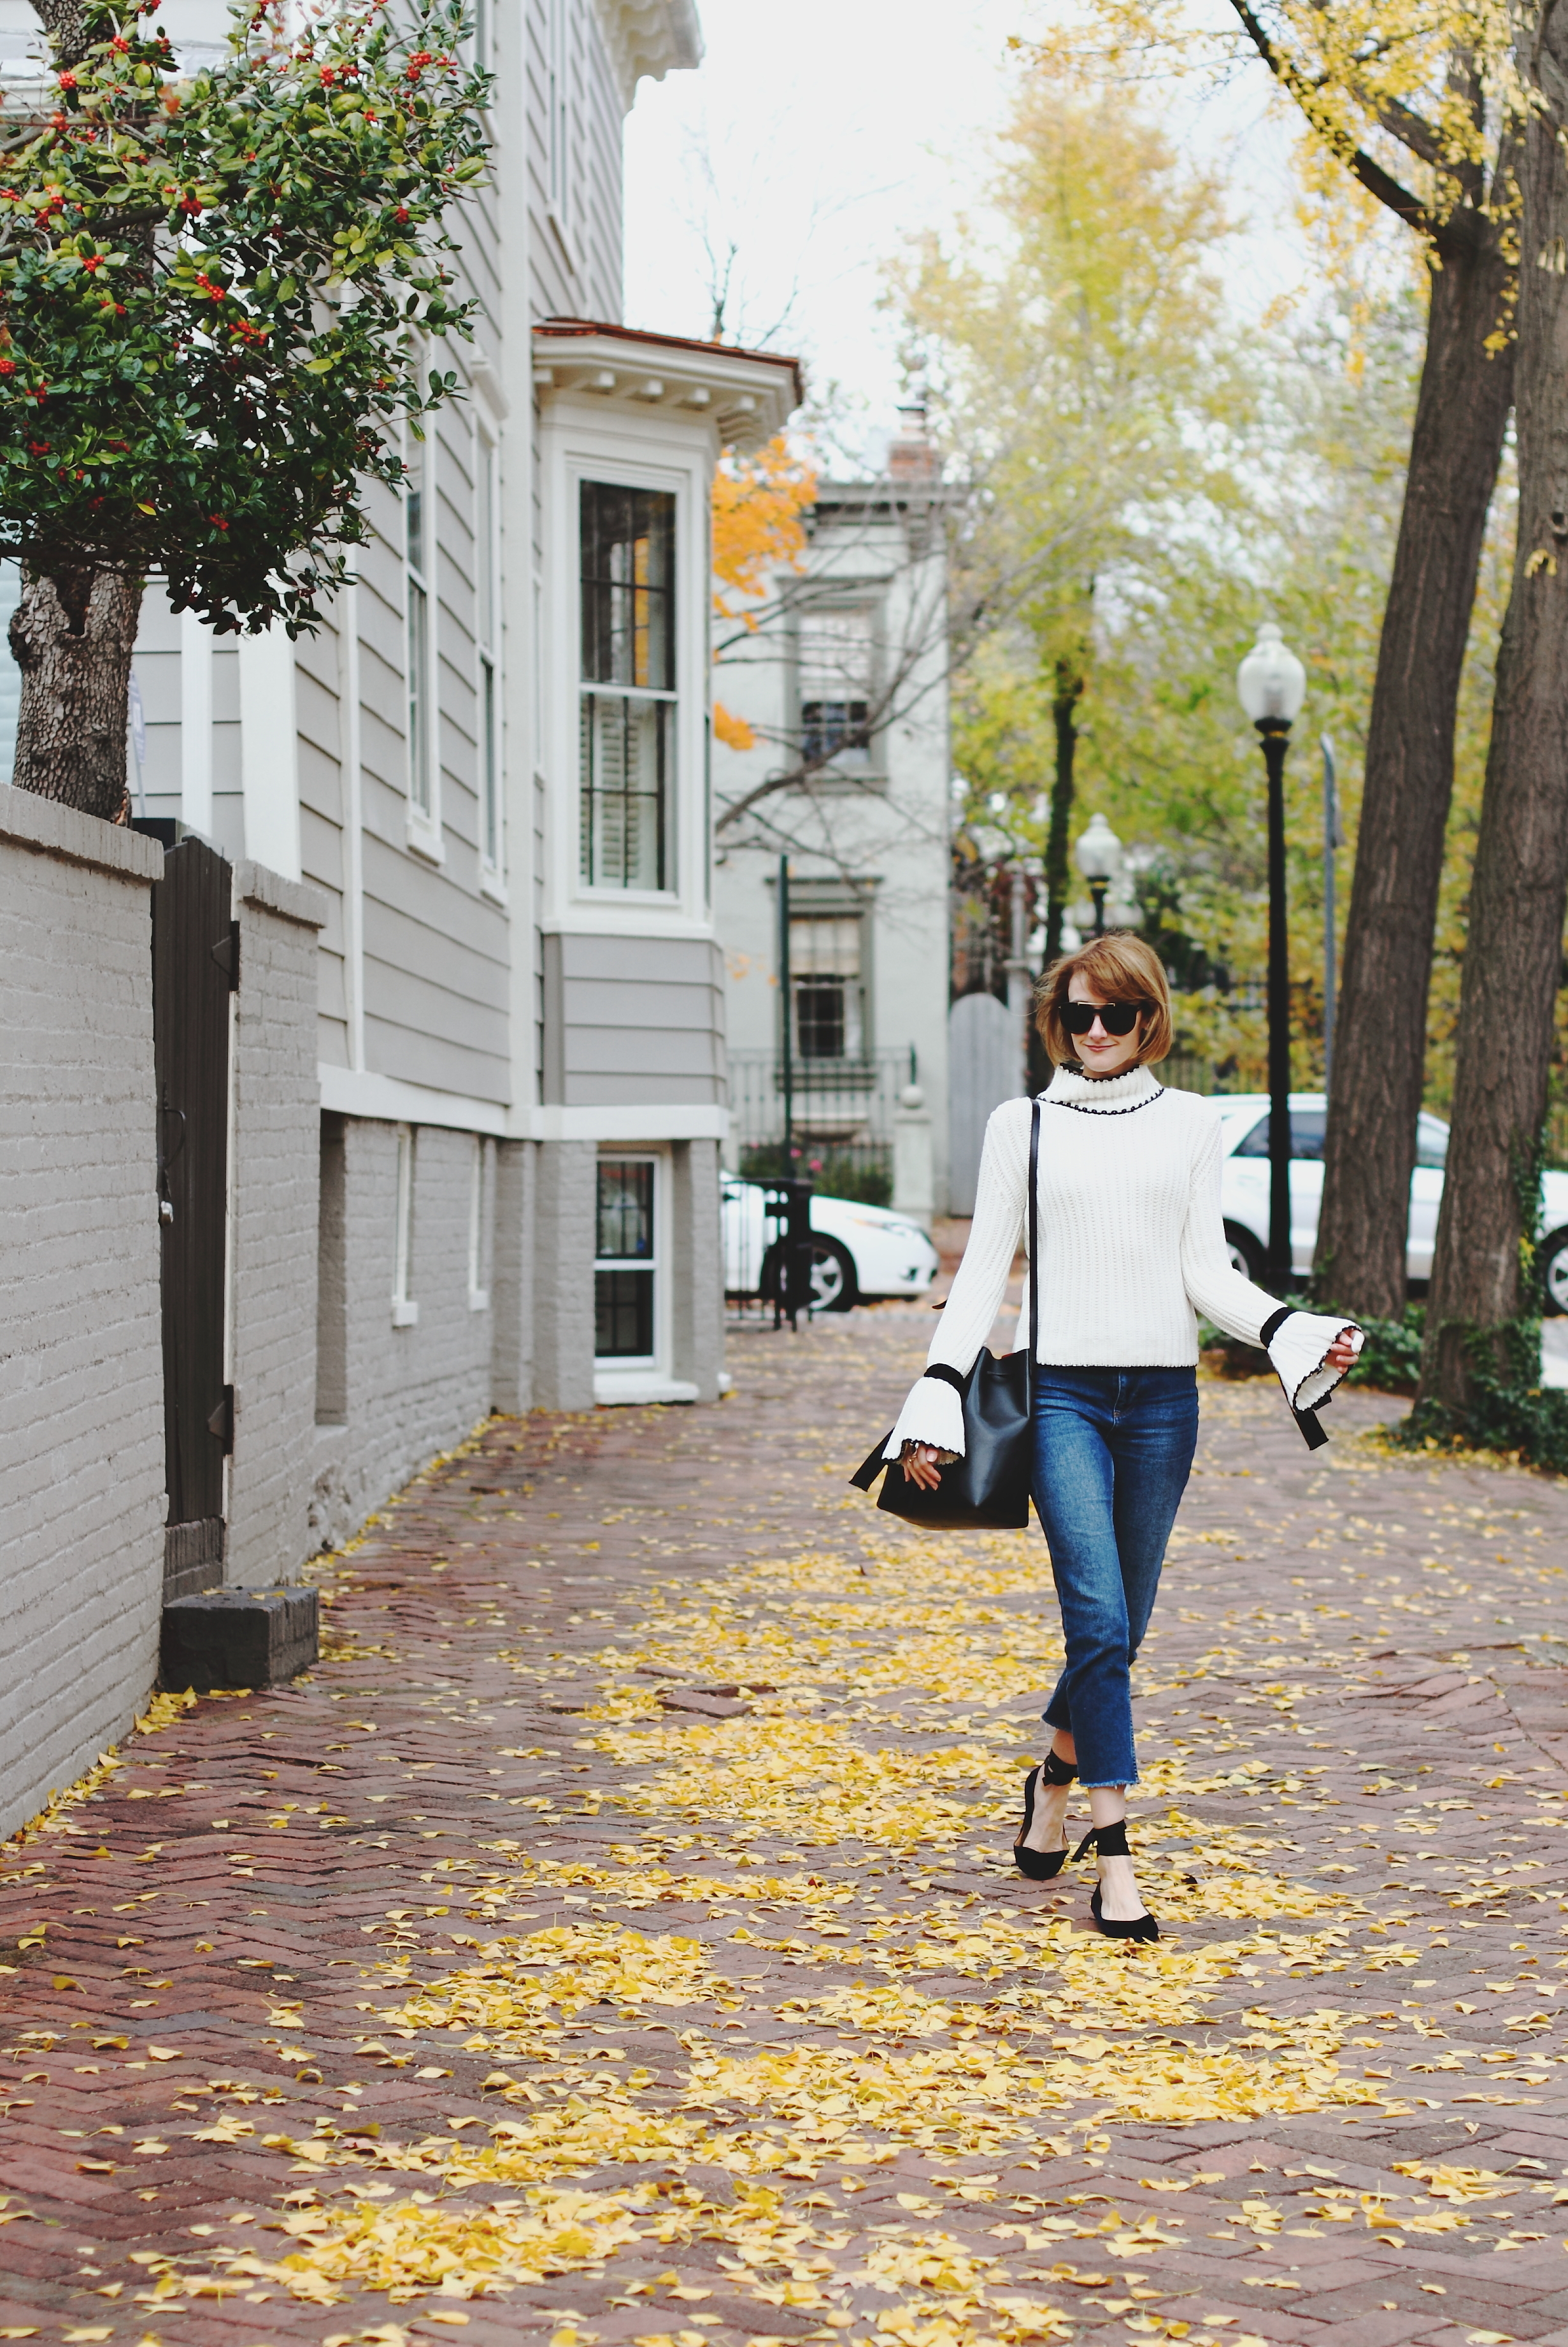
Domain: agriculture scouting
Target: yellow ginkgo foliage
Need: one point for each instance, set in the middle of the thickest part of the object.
(758, 502)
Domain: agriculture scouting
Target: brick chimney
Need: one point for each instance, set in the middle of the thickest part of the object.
(911, 458)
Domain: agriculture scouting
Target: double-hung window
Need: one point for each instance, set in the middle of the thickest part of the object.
(625, 1260)
(627, 774)
(487, 599)
(836, 668)
(417, 552)
(825, 978)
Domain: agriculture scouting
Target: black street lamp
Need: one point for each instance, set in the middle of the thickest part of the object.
(1272, 684)
(1099, 855)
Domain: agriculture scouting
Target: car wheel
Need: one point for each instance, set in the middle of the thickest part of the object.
(833, 1283)
(1243, 1252)
(1555, 1275)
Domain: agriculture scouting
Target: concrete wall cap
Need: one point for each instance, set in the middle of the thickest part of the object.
(291, 900)
(49, 829)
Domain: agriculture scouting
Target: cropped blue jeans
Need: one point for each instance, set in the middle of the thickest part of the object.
(1113, 1451)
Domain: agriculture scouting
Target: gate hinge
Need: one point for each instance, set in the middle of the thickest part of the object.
(226, 954)
(220, 1421)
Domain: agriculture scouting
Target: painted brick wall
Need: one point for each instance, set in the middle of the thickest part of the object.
(566, 1192)
(81, 1372)
(697, 1267)
(409, 1392)
(512, 1281)
(275, 1170)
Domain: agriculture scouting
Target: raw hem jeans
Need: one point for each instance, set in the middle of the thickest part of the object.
(1113, 1451)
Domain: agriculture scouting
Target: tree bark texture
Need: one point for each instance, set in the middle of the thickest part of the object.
(1380, 1047)
(1068, 688)
(1513, 951)
(72, 636)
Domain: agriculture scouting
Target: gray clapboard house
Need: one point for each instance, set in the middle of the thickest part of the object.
(492, 764)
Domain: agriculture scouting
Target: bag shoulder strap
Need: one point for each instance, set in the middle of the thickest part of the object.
(866, 1474)
(1033, 1240)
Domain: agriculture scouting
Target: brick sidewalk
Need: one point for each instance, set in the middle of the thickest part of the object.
(635, 1866)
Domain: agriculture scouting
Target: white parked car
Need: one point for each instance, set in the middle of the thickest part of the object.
(856, 1250)
(1244, 1190)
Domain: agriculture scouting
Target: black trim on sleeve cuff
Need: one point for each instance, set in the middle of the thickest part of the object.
(946, 1376)
(1272, 1326)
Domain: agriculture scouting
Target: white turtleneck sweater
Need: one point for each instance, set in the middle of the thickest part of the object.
(1132, 1248)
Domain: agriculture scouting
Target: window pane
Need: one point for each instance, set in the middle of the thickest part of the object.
(622, 1313)
(627, 586)
(419, 698)
(485, 552)
(1307, 1130)
(819, 1018)
(626, 766)
(836, 650)
(414, 505)
(825, 947)
(490, 773)
(625, 1219)
(836, 731)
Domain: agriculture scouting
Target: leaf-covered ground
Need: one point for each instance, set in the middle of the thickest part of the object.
(615, 1940)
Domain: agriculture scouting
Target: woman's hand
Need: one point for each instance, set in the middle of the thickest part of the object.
(922, 1463)
(1343, 1352)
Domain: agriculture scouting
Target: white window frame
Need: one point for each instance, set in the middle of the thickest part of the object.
(405, 1310)
(481, 41)
(489, 724)
(845, 600)
(481, 1189)
(559, 185)
(636, 1368)
(613, 476)
(421, 663)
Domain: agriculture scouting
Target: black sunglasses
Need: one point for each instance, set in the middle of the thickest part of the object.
(1116, 1017)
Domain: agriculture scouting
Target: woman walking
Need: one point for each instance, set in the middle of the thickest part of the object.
(1132, 1248)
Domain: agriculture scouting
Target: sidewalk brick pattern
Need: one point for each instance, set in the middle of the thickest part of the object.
(615, 1938)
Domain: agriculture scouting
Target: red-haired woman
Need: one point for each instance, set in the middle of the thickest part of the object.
(1132, 1249)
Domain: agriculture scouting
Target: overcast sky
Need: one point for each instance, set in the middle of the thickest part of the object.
(816, 140)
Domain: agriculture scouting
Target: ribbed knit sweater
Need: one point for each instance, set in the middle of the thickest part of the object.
(1132, 1248)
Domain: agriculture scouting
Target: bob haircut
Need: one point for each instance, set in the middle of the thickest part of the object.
(1121, 968)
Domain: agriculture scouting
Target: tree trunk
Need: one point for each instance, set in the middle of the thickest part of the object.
(1064, 702)
(1513, 952)
(1380, 1047)
(72, 636)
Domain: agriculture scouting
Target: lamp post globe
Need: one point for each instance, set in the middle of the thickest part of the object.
(1099, 858)
(1271, 684)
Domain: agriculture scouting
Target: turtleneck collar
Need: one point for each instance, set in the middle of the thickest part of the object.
(1071, 1088)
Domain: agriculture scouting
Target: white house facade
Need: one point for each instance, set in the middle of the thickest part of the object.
(843, 801)
(493, 765)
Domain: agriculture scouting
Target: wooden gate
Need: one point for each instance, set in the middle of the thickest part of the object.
(195, 968)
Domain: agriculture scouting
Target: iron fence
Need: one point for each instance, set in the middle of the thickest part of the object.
(840, 1123)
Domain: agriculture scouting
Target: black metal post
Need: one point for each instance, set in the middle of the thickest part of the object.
(1275, 732)
(786, 1022)
(1333, 838)
(1097, 890)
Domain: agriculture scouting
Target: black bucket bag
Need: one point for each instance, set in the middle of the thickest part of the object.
(989, 1488)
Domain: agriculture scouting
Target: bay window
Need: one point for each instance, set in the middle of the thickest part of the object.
(628, 713)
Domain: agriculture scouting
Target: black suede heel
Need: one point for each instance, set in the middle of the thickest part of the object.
(1040, 1865)
(1111, 1841)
